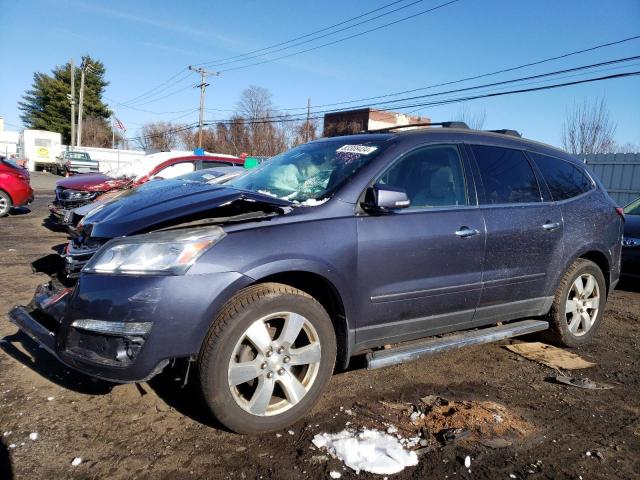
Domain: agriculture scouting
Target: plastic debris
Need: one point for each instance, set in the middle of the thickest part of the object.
(451, 435)
(369, 450)
(582, 383)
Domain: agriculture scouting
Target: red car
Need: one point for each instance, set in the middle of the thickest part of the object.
(15, 190)
(73, 192)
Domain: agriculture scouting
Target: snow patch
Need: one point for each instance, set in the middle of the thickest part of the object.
(369, 450)
(333, 474)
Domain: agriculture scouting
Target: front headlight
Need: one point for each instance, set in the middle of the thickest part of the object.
(630, 242)
(77, 195)
(160, 253)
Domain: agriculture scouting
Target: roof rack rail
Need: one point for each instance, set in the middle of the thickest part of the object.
(506, 131)
(436, 124)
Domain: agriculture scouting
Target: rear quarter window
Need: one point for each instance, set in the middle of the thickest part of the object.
(564, 179)
(212, 164)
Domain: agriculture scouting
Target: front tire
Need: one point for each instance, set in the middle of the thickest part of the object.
(578, 306)
(5, 203)
(267, 358)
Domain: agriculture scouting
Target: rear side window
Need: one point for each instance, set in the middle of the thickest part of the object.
(564, 179)
(212, 164)
(506, 175)
(431, 177)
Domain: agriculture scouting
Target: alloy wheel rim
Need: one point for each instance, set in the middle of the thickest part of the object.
(582, 305)
(274, 364)
(4, 205)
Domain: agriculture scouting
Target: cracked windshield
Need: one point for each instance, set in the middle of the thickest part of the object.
(309, 173)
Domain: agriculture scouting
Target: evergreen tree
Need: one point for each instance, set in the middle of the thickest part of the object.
(46, 105)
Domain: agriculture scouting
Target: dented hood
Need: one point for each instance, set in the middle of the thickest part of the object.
(92, 182)
(171, 202)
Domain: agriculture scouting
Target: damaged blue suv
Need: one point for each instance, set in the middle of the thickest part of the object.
(423, 240)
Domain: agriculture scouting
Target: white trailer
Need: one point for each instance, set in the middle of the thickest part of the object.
(40, 148)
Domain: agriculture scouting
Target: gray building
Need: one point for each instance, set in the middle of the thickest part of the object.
(619, 172)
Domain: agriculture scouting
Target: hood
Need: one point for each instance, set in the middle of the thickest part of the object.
(92, 182)
(632, 226)
(171, 202)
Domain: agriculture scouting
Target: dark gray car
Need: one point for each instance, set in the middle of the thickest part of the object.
(336, 248)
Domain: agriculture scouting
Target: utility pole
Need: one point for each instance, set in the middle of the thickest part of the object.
(84, 67)
(203, 85)
(72, 99)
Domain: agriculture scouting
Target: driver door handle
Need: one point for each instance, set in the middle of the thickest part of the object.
(551, 225)
(464, 232)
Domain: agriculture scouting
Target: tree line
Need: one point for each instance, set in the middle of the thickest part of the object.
(256, 127)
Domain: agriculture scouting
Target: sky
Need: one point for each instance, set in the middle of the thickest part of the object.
(145, 43)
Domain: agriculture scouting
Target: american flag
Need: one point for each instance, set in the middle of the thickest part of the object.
(119, 124)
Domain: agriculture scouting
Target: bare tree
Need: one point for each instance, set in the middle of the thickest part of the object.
(256, 128)
(588, 128)
(161, 136)
(305, 131)
(473, 120)
(96, 132)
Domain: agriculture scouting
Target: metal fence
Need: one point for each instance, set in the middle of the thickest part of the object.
(619, 172)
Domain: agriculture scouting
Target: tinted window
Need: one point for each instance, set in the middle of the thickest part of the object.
(432, 177)
(564, 179)
(506, 175)
(210, 164)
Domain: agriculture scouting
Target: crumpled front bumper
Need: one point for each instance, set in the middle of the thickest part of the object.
(178, 311)
(42, 321)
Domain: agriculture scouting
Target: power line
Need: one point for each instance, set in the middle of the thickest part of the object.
(428, 87)
(476, 87)
(476, 77)
(432, 103)
(166, 84)
(306, 35)
(423, 12)
(151, 90)
(123, 105)
(220, 63)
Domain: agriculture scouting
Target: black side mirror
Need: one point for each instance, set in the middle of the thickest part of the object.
(384, 199)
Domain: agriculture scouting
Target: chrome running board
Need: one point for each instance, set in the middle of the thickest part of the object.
(408, 352)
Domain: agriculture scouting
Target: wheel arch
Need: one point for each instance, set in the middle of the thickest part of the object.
(601, 260)
(328, 295)
(5, 191)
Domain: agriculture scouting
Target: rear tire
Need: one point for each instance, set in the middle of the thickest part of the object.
(5, 204)
(578, 306)
(267, 358)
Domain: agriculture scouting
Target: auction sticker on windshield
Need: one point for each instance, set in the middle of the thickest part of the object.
(361, 149)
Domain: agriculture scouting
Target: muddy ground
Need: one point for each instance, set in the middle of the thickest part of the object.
(160, 430)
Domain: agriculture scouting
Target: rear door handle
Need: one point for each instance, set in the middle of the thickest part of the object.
(551, 225)
(467, 232)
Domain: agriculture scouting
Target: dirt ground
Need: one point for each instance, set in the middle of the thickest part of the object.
(159, 430)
